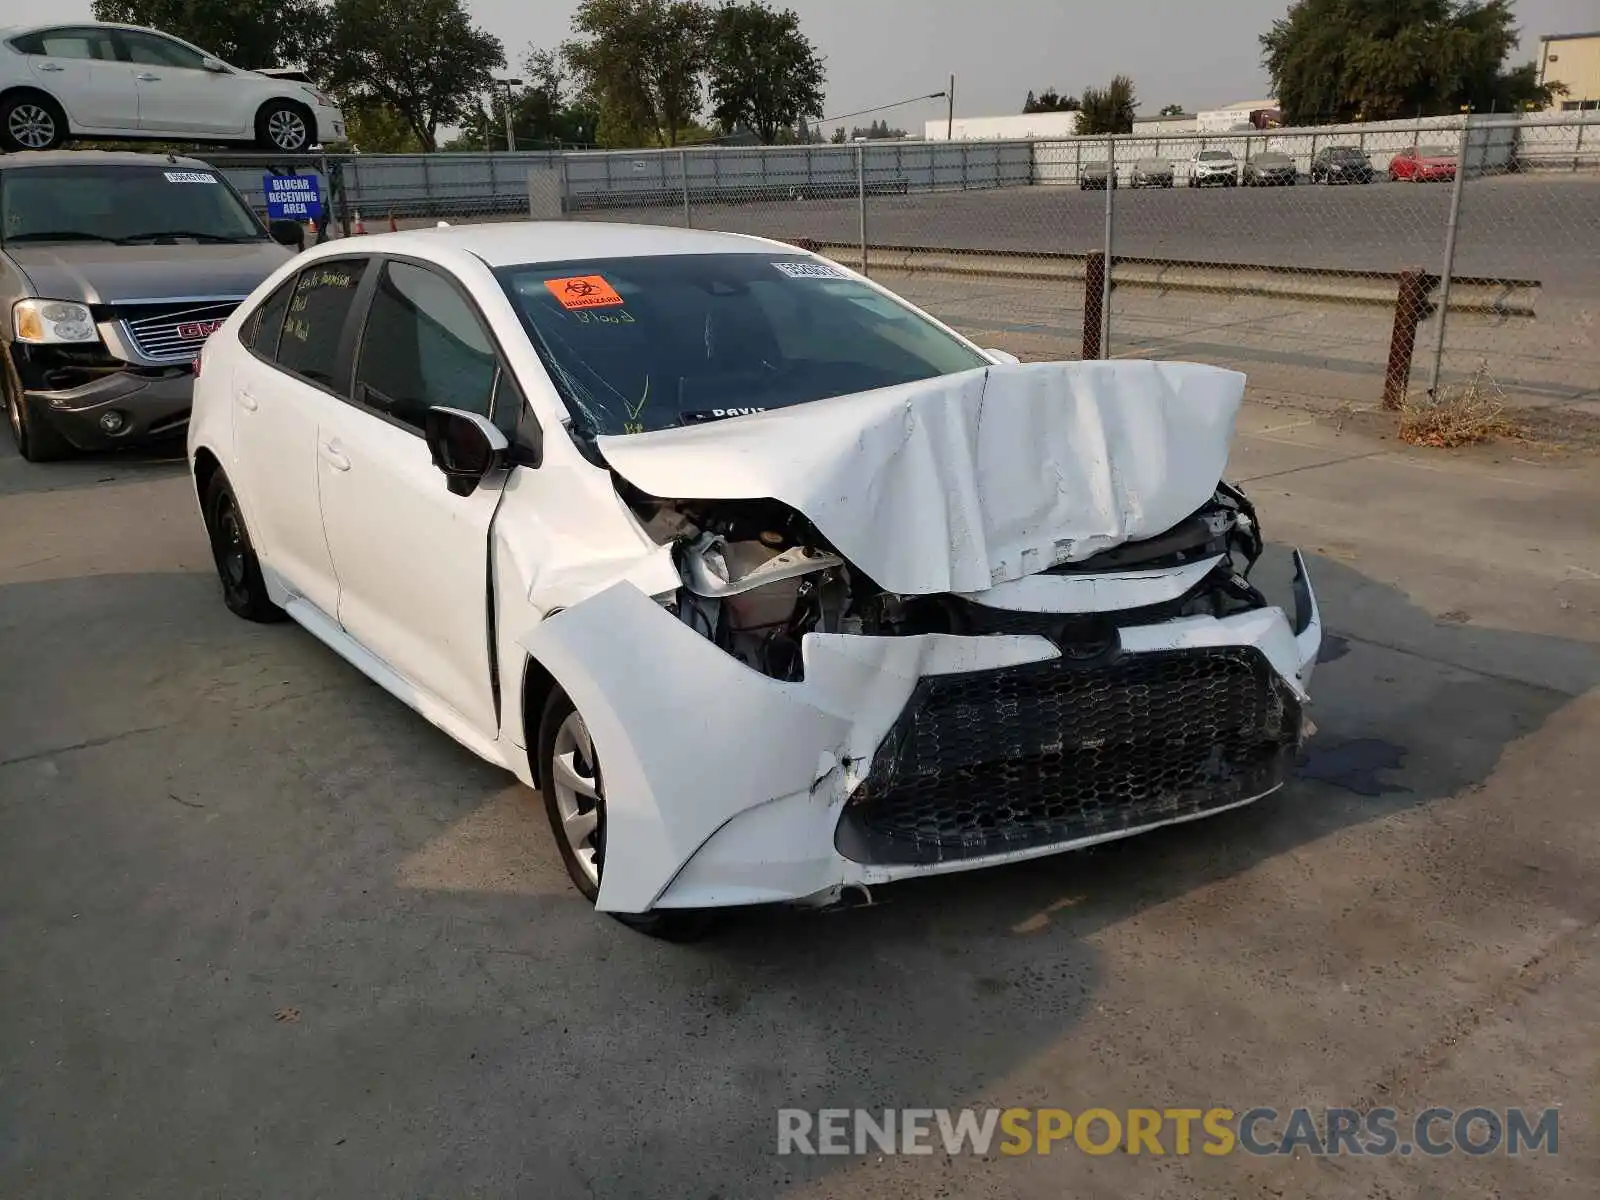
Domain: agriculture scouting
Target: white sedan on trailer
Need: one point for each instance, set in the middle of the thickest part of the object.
(776, 587)
(91, 80)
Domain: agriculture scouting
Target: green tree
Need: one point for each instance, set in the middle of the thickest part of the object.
(1109, 109)
(1050, 100)
(376, 128)
(764, 72)
(1340, 60)
(425, 60)
(246, 33)
(1172, 110)
(838, 138)
(641, 61)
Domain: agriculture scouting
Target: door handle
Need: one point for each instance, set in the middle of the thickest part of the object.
(335, 456)
(246, 401)
(146, 77)
(50, 67)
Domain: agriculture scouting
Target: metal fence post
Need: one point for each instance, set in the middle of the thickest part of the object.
(683, 178)
(1451, 227)
(561, 166)
(1105, 281)
(1410, 306)
(861, 200)
(1577, 151)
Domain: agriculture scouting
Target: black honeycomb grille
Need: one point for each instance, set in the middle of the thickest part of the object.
(1036, 755)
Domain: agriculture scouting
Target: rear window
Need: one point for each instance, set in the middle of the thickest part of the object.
(1215, 156)
(638, 344)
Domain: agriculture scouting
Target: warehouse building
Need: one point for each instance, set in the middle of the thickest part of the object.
(1572, 59)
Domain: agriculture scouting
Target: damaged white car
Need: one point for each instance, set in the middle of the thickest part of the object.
(777, 588)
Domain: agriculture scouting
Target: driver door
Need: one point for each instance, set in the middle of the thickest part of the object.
(411, 558)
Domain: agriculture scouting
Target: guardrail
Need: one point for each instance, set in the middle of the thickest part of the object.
(1408, 292)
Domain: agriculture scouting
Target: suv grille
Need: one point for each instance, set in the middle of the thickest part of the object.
(176, 335)
(995, 761)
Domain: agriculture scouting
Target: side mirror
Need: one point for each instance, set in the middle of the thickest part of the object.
(1002, 356)
(465, 447)
(214, 65)
(288, 233)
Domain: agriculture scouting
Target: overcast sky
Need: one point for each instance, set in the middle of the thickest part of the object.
(1198, 53)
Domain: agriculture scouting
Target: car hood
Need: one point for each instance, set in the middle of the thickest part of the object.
(964, 482)
(99, 273)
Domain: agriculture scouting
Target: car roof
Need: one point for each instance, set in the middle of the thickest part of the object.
(23, 159)
(510, 243)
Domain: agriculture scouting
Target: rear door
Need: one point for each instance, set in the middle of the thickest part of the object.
(412, 559)
(78, 66)
(292, 380)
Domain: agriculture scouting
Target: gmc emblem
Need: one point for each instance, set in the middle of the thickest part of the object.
(198, 329)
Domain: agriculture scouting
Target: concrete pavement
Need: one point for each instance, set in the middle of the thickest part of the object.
(267, 933)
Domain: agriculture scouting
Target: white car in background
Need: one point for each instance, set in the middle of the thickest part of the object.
(100, 81)
(776, 587)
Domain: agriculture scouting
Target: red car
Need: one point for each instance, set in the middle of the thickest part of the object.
(1420, 164)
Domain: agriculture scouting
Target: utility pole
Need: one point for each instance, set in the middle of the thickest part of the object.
(511, 136)
(950, 124)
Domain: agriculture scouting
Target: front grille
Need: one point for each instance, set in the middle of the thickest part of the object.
(1036, 755)
(175, 335)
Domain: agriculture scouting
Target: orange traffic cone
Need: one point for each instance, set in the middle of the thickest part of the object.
(393, 228)
(359, 228)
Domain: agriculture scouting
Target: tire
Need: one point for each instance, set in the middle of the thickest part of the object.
(31, 121)
(238, 568)
(36, 441)
(574, 801)
(285, 127)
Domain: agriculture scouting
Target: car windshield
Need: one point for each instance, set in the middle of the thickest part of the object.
(1153, 164)
(1346, 154)
(1215, 156)
(1273, 159)
(638, 344)
(126, 204)
(1433, 152)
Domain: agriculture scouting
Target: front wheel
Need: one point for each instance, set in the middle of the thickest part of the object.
(573, 787)
(36, 441)
(283, 126)
(243, 589)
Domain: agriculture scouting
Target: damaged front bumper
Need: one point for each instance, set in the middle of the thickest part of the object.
(97, 401)
(912, 755)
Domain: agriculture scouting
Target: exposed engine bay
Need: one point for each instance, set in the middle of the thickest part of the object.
(758, 576)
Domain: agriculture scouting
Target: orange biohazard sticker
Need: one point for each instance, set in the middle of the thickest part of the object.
(583, 291)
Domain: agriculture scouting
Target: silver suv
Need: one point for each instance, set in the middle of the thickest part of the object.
(114, 269)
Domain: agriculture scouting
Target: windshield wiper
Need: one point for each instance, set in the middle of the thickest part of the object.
(192, 234)
(59, 235)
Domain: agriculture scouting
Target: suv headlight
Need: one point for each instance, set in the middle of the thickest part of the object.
(49, 321)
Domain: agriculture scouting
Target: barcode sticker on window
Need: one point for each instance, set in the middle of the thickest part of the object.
(806, 270)
(189, 177)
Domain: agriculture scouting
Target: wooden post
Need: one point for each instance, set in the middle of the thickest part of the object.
(1410, 307)
(1094, 279)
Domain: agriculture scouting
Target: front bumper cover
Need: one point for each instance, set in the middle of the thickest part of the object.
(726, 787)
(152, 406)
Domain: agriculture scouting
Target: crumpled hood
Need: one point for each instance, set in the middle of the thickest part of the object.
(97, 273)
(959, 483)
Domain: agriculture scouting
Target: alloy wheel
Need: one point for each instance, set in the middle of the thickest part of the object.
(31, 125)
(576, 783)
(287, 129)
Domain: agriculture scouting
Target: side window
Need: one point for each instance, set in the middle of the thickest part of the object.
(261, 331)
(318, 306)
(67, 43)
(152, 51)
(423, 346)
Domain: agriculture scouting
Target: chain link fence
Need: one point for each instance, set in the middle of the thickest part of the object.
(1358, 264)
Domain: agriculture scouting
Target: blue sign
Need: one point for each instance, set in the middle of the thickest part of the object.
(293, 197)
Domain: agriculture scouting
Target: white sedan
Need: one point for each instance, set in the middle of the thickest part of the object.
(777, 588)
(100, 81)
